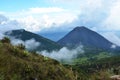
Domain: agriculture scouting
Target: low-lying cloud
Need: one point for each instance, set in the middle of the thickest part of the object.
(32, 44)
(29, 44)
(64, 54)
(1, 35)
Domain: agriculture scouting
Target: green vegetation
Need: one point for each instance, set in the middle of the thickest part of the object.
(100, 68)
(19, 64)
(21, 46)
(88, 58)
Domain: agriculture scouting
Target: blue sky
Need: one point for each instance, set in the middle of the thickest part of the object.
(61, 16)
(16, 5)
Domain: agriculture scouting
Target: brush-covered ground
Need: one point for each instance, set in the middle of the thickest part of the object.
(18, 64)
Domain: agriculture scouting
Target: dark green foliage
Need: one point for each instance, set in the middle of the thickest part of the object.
(99, 69)
(87, 58)
(5, 40)
(116, 71)
(18, 64)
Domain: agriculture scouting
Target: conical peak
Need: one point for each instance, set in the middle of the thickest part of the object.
(80, 28)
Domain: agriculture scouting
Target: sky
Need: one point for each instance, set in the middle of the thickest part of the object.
(55, 18)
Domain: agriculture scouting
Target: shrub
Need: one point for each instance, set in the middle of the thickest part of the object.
(15, 50)
(0, 44)
(46, 58)
(2, 76)
(21, 46)
(5, 40)
(25, 53)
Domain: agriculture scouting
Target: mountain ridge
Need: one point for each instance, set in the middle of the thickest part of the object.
(45, 44)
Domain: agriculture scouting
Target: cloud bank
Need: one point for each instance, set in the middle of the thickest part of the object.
(1, 35)
(64, 54)
(8, 24)
(29, 44)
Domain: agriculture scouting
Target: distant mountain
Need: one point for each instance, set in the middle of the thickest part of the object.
(87, 38)
(45, 44)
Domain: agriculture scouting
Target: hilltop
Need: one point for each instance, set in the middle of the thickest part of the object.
(19, 64)
(45, 44)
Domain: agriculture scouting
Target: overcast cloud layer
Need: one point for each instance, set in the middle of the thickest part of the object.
(98, 15)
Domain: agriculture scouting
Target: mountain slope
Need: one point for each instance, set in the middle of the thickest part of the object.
(18, 64)
(45, 44)
(87, 38)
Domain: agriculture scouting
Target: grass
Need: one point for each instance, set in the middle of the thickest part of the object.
(19, 64)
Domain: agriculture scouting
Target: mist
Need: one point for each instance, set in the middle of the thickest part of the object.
(1, 35)
(30, 44)
(64, 54)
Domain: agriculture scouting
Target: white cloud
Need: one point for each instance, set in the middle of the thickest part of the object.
(112, 21)
(111, 36)
(39, 18)
(1, 35)
(113, 46)
(8, 24)
(34, 24)
(15, 41)
(29, 44)
(64, 54)
(100, 14)
(3, 19)
(30, 23)
(46, 21)
(39, 10)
